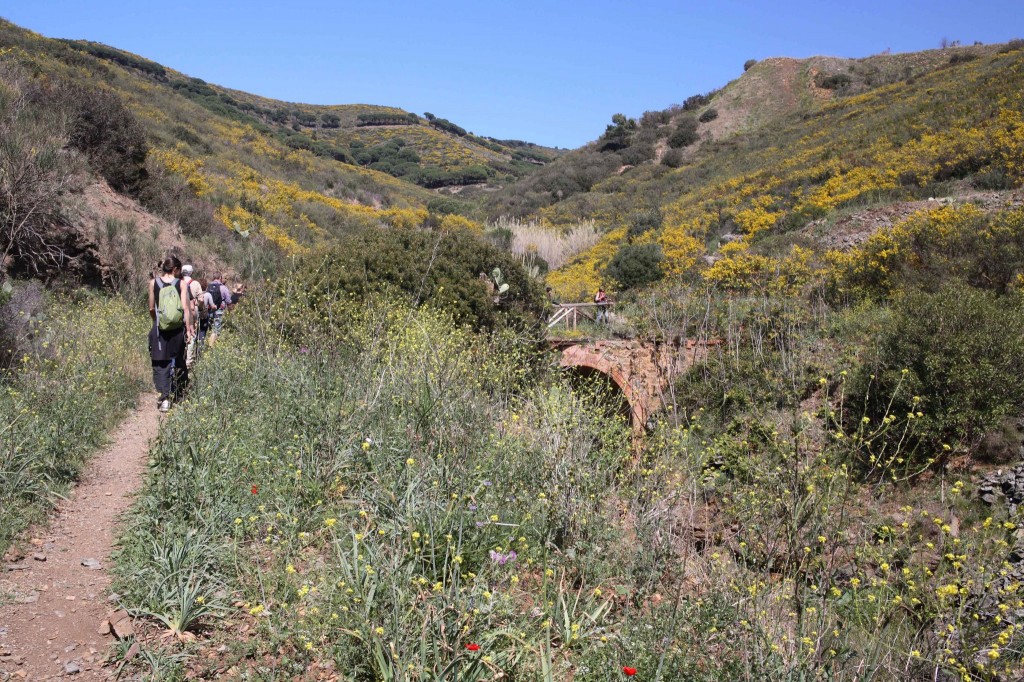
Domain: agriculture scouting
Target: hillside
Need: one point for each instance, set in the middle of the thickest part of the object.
(789, 143)
(295, 175)
(383, 470)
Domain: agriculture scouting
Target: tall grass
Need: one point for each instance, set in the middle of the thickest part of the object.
(374, 489)
(556, 245)
(80, 369)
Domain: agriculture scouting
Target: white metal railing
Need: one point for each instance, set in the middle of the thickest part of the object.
(570, 313)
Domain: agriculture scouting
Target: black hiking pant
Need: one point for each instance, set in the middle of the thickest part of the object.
(170, 377)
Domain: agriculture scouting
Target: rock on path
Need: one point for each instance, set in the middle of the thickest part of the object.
(54, 600)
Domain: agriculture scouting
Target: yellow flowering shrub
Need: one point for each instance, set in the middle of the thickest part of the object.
(681, 251)
(190, 169)
(581, 278)
(453, 221)
(879, 265)
(757, 218)
(404, 218)
(742, 272)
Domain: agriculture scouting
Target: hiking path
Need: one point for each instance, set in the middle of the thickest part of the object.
(55, 601)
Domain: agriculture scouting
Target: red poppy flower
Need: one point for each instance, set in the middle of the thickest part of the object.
(629, 671)
(255, 489)
(473, 647)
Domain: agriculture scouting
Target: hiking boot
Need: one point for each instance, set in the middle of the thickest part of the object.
(165, 406)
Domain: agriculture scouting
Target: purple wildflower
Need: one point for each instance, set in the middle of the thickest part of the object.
(502, 559)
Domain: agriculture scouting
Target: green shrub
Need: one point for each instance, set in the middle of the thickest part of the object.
(448, 206)
(833, 81)
(387, 119)
(642, 222)
(189, 137)
(36, 175)
(653, 119)
(440, 270)
(673, 158)
(447, 126)
(109, 135)
(637, 153)
(962, 58)
(685, 133)
(1012, 45)
(749, 63)
(994, 179)
(954, 356)
(636, 265)
(709, 115)
(119, 56)
(694, 102)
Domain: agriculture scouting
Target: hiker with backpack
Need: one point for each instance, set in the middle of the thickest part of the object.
(172, 322)
(205, 305)
(197, 309)
(219, 299)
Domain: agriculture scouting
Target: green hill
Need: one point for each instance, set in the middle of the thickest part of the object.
(294, 174)
(381, 472)
(788, 145)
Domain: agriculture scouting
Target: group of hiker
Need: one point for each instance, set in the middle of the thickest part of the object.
(188, 313)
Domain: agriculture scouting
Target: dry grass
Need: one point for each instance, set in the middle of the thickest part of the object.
(556, 245)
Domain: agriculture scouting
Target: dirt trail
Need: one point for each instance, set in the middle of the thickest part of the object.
(50, 628)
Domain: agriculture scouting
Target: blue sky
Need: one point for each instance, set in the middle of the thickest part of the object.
(551, 72)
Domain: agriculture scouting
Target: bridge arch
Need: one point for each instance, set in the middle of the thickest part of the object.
(642, 370)
(597, 359)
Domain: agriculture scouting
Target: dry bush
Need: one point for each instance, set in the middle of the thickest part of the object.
(556, 246)
(36, 172)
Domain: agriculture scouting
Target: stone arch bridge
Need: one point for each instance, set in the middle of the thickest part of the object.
(642, 370)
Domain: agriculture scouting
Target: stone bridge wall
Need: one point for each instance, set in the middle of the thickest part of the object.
(641, 369)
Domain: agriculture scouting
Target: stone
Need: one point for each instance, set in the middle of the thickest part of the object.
(13, 554)
(103, 628)
(91, 564)
(121, 625)
(132, 652)
(39, 556)
(72, 668)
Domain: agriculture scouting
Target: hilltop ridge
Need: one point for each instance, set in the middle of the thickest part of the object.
(787, 143)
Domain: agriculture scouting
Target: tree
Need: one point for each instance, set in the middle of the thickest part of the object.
(618, 134)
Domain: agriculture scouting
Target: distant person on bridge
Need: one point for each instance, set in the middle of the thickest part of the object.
(601, 299)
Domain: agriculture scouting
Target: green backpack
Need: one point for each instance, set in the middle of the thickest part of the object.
(169, 313)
